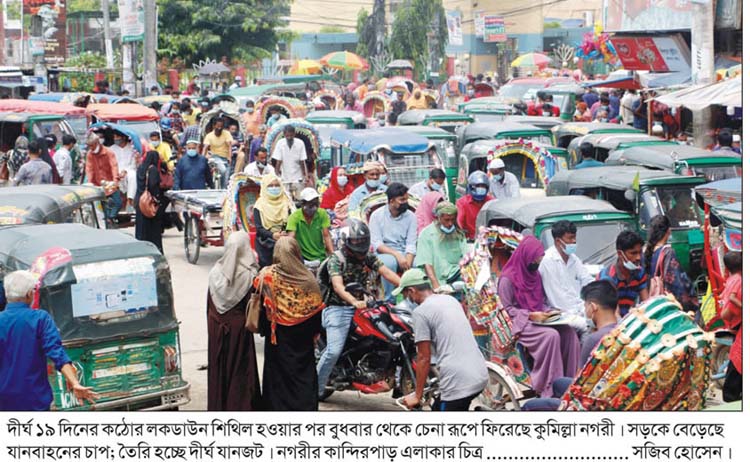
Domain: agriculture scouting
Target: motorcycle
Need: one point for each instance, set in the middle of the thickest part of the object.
(380, 343)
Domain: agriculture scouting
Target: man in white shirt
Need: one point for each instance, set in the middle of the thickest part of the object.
(503, 185)
(63, 161)
(626, 107)
(563, 274)
(260, 166)
(126, 164)
(290, 157)
(435, 182)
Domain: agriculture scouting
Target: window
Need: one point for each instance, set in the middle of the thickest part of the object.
(678, 204)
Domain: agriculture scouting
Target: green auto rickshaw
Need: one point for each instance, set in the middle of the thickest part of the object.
(683, 160)
(598, 223)
(543, 122)
(488, 108)
(445, 145)
(564, 97)
(440, 118)
(565, 133)
(112, 302)
(604, 143)
(45, 204)
(644, 193)
(502, 131)
(337, 119)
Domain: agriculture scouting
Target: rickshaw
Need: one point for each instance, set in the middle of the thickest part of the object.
(531, 162)
(140, 119)
(305, 131)
(290, 108)
(566, 132)
(644, 193)
(201, 211)
(228, 112)
(543, 122)
(407, 156)
(337, 119)
(488, 109)
(237, 210)
(110, 296)
(374, 103)
(376, 200)
(401, 84)
(604, 143)
(482, 89)
(598, 223)
(330, 97)
(446, 120)
(46, 204)
(445, 145)
(683, 160)
(502, 131)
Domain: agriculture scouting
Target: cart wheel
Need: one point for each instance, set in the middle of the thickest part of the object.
(497, 395)
(192, 240)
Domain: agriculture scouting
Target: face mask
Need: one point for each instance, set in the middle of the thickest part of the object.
(447, 230)
(569, 249)
(546, 114)
(410, 304)
(260, 164)
(154, 143)
(590, 324)
(309, 210)
(383, 178)
(372, 184)
(629, 265)
(435, 187)
(250, 110)
(192, 152)
(402, 208)
(154, 93)
(274, 191)
(342, 181)
(532, 267)
(499, 177)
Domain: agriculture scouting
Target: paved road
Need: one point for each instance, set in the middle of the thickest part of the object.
(190, 285)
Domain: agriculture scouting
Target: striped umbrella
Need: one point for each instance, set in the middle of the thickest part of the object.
(344, 60)
(531, 60)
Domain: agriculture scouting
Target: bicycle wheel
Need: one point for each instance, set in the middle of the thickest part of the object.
(497, 395)
(192, 240)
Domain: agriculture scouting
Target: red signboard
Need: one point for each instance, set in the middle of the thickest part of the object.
(639, 54)
(52, 18)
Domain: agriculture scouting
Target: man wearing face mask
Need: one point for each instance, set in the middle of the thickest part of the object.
(600, 302)
(101, 163)
(126, 163)
(372, 184)
(442, 330)
(394, 232)
(627, 274)
(504, 185)
(291, 161)
(441, 247)
(217, 145)
(477, 194)
(260, 167)
(310, 225)
(353, 264)
(192, 171)
(435, 182)
(165, 152)
(563, 274)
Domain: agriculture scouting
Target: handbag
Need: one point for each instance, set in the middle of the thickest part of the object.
(146, 203)
(254, 305)
(656, 286)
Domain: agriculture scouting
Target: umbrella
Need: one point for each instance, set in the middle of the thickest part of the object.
(344, 60)
(212, 68)
(400, 64)
(531, 60)
(305, 67)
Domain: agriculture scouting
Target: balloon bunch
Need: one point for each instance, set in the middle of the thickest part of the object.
(596, 45)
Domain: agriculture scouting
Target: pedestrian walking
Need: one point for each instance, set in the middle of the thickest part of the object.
(35, 171)
(149, 229)
(291, 161)
(192, 170)
(270, 214)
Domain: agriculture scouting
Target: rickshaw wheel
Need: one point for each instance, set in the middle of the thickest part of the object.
(192, 240)
(719, 363)
(497, 395)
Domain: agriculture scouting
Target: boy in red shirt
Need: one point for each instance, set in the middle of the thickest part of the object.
(730, 303)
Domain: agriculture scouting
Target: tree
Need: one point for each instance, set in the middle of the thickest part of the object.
(419, 29)
(361, 32)
(332, 30)
(245, 30)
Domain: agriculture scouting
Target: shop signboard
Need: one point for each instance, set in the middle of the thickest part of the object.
(52, 40)
(455, 32)
(131, 20)
(654, 54)
(494, 29)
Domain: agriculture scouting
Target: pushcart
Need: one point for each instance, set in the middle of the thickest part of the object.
(201, 211)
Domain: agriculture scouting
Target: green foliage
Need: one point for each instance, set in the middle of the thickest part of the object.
(244, 30)
(87, 60)
(76, 6)
(332, 30)
(411, 26)
(361, 37)
(13, 10)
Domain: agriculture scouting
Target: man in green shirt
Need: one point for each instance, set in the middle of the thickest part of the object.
(310, 226)
(441, 246)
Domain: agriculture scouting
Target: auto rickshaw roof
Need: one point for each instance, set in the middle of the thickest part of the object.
(22, 117)
(499, 102)
(666, 155)
(480, 130)
(40, 107)
(620, 177)
(418, 116)
(585, 128)
(24, 244)
(546, 123)
(40, 204)
(722, 192)
(117, 112)
(393, 139)
(613, 140)
(331, 115)
(527, 211)
(481, 148)
(429, 132)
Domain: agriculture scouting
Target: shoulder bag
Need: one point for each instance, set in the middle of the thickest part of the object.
(146, 203)
(254, 305)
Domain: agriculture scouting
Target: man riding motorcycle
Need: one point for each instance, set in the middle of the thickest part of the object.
(356, 266)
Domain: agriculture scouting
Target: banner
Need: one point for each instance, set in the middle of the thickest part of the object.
(655, 54)
(131, 20)
(52, 17)
(494, 29)
(479, 24)
(455, 32)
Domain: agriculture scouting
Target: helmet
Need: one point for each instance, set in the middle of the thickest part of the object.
(476, 180)
(356, 236)
(165, 123)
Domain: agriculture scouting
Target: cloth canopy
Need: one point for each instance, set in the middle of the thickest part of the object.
(725, 93)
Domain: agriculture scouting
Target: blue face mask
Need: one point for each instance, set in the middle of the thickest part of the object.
(342, 181)
(372, 184)
(569, 249)
(447, 230)
(383, 178)
(274, 191)
(436, 187)
(192, 152)
(479, 194)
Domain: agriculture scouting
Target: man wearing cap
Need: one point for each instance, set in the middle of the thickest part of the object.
(310, 225)
(435, 182)
(441, 246)
(504, 185)
(237, 83)
(192, 171)
(372, 184)
(442, 330)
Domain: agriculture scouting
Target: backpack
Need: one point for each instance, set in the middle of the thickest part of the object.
(656, 285)
(324, 278)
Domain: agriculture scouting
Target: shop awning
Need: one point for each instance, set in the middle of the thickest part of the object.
(628, 82)
(725, 93)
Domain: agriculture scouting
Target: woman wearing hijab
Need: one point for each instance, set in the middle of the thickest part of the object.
(147, 177)
(556, 350)
(19, 156)
(339, 189)
(47, 158)
(426, 209)
(233, 383)
(292, 305)
(270, 214)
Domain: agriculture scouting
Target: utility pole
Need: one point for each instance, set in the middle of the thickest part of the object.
(702, 50)
(149, 44)
(107, 35)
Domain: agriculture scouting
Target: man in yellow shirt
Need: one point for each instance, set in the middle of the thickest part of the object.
(165, 152)
(218, 144)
